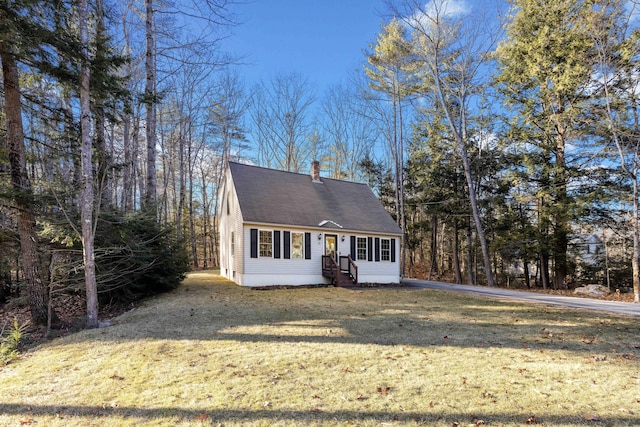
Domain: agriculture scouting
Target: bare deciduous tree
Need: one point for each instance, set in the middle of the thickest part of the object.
(349, 132)
(452, 62)
(281, 113)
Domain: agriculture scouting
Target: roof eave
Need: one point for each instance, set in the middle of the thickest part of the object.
(322, 229)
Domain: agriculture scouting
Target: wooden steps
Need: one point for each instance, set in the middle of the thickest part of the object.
(345, 274)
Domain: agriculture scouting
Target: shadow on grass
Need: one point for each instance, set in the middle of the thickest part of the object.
(100, 413)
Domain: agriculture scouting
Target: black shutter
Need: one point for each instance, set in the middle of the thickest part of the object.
(377, 249)
(276, 244)
(370, 248)
(353, 248)
(254, 243)
(393, 250)
(307, 245)
(287, 244)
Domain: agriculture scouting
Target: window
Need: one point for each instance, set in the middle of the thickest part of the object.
(385, 250)
(361, 248)
(297, 245)
(233, 244)
(228, 202)
(266, 243)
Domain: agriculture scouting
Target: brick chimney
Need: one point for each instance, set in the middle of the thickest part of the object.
(315, 171)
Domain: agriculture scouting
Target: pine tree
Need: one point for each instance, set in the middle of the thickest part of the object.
(545, 66)
(21, 38)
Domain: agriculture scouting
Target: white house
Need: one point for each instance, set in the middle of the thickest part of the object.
(283, 228)
(588, 249)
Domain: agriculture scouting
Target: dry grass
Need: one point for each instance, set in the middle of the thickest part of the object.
(213, 353)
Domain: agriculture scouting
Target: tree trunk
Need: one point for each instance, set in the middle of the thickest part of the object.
(561, 222)
(182, 194)
(205, 218)
(456, 249)
(86, 205)
(192, 225)
(433, 268)
(36, 289)
(103, 156)
(635, 262)
(544, 270)
(192, 222)
(462, 152)
(470, 268)
(127, 170)
(151, 102)
(401, 212)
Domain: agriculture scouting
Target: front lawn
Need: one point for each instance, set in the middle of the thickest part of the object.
(213, 353)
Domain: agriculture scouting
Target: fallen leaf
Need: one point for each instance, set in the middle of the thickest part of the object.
(431, 404)
(116, 377)
(202, 418)
(316, 410)
(267, 403)
(26, 421)
(477, 422)
(531, 420)
(593, 418)
(384, 390)
(361, 397)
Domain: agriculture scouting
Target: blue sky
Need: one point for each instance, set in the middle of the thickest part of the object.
(323, 40)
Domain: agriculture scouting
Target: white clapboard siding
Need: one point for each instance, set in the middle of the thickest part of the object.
(231, 264)
(271, 271)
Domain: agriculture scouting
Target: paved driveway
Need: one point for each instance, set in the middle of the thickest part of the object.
(574, 302)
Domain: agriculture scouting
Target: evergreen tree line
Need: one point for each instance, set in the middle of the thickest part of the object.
(493, 147)
(521, 140)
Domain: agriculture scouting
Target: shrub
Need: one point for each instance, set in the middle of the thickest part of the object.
(137, 257)
(10, 343)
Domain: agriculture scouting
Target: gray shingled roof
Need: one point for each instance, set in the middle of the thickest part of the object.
(285, 198)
